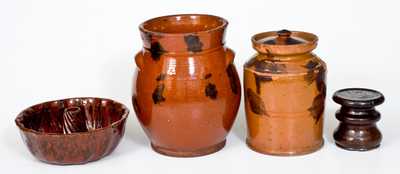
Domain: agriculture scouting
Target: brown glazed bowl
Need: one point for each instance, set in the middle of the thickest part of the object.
(74, 130)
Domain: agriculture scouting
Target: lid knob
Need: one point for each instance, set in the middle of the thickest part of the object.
(283, 36)
(284, 33)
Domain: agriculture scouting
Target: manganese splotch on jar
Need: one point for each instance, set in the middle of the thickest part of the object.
(285, 88)
(187, 90)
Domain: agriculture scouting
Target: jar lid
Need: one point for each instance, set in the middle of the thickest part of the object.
(284, 42)
(358, 97)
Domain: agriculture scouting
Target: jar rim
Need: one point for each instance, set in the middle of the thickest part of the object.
(199, 23)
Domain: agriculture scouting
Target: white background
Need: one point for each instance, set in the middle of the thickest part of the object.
(53, 49)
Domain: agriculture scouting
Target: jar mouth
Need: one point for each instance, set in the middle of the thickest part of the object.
(305, 42)
(183, 24)
(192, 33)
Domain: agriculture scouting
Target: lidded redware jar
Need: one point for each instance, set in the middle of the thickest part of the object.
(187, 90)
(285, 88)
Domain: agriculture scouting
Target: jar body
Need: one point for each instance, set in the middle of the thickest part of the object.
(187, 102)
(284, 103)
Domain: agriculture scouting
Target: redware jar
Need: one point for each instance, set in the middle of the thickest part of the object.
(187, 90)
(285, 92)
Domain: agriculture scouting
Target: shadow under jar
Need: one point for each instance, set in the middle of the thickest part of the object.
(187, 90)
(72, 131)
(285, 90)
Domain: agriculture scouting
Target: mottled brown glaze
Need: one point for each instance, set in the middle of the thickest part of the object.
(72, 131)
(285, 86)
(357, 130)
(187, 90)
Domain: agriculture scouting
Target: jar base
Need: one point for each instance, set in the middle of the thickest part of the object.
(281, 153)
(361, 149)
(177, 153)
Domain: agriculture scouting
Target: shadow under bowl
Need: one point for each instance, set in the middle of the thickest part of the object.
(74, 130)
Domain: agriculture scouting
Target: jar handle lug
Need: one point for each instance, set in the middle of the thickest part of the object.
(229, 56)
(139, 59)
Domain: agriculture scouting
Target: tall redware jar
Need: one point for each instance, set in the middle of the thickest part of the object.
(187, 90)
(285, 88)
